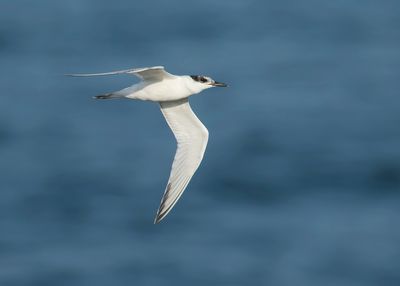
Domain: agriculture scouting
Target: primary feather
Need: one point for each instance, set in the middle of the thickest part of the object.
(148, 73)
(192, 137)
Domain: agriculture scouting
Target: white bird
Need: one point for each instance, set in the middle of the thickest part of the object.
(171, 92)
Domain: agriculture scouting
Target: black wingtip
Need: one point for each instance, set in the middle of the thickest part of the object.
(103, 96)
(74, 75)
(159, 218)
(160, 215)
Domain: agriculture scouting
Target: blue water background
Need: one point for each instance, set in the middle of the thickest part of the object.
(300, 184)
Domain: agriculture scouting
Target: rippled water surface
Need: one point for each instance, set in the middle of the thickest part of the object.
(300, 182)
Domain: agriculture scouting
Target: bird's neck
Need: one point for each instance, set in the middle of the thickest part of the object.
(192, 86)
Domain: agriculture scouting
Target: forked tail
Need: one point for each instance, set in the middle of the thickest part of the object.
(108, 96)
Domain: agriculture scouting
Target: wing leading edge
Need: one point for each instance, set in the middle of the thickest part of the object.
(147, 73)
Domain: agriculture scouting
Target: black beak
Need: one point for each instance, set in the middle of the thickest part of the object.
(219, 84)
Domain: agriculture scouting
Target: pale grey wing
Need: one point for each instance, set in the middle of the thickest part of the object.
(149, 73)
(191, 136)
(152, 73)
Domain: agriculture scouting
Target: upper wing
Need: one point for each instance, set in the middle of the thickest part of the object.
(191, 136)
(149, 73)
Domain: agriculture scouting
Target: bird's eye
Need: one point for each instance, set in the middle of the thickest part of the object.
(203, 79)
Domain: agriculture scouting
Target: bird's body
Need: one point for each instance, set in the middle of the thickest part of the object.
(172, 93)
(174, 88)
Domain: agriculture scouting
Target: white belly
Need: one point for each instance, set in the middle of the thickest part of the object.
(166, 90)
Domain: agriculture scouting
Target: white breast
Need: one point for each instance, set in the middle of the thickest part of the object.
(175, 88)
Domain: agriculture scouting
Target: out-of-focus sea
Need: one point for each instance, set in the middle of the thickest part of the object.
(300, 184)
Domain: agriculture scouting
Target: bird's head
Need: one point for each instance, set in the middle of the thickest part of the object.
(205, 82)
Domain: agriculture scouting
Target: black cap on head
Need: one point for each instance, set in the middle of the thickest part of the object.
(207, 80)
(199, 78)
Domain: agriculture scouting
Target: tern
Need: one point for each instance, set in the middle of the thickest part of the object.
(172, 93)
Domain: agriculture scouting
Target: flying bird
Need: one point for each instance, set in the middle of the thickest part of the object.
(172, 93)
